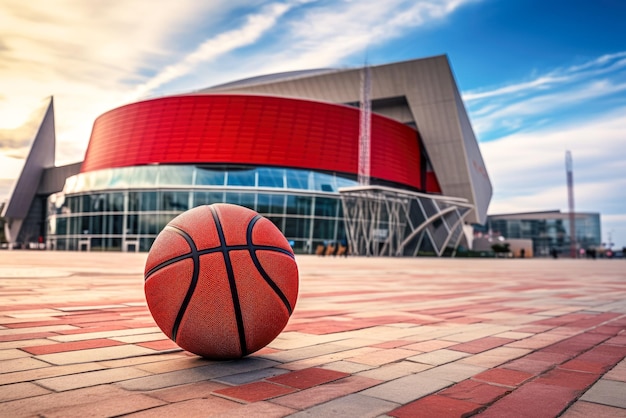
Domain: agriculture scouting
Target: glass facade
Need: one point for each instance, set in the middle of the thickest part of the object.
(124, 209)
(551, 232)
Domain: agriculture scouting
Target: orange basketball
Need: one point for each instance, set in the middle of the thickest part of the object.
(221, 281)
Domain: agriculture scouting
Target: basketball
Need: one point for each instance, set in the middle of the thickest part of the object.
(221, 281)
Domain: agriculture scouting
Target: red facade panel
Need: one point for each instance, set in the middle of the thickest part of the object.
(251, 130)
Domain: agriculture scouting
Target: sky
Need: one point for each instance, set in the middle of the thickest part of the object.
(538, 77)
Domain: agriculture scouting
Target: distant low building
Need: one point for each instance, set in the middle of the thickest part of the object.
(549, 231)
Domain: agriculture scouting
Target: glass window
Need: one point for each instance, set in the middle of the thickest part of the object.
(271, 177)
(241, 177)
(145, 244)
(297, 179)
(324, 229)
(100, 203)
(116, 202)
(134, 199)
(208, 177)
(323, 182)
(175, 175)
(144, 176)
(101, 178)
(174, 201)
(132, 224)
(325, 206)
(270, 203)
(299, 205)
(242, 199)
(297, 228)
(207, 198)
(61, 226)
(148, 201)
(95, 225)
(148, 224)
(121, 177)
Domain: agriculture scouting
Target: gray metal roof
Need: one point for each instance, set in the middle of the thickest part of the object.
(430, 100)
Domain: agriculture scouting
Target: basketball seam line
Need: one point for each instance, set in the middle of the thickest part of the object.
(194, 280)
(214, 250)
(231, 280)
(260, 268)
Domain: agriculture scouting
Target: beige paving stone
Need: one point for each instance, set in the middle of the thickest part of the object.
(495, 356)
(582, 409)
(607, 392)
(8, 345)
(200, 389)
(476, 332)
(292, 340)
(32, 407)
(289, 356)
(135, 361)
(438, 357)
(174, 363)
(618, 372)
(354, 405)
(33, 330)
(94, 354)
(427, 346)
(194, 408)
(131, 339)
(110, 407)
(380, 357)
(34, 374)
(538, 341)
(394, 370)
(514, 335)
(105, 334)
(406, 389)
(328, 358)
(86, 379)
(347, 366)
(21, 364)
(262, 409)
(359, 342)
(20, 391)
(12, 353)
(454, 372)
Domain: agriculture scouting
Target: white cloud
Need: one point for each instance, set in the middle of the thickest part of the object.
(252, 30)
(87, 55)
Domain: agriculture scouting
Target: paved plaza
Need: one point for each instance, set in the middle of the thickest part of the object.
(370, 337)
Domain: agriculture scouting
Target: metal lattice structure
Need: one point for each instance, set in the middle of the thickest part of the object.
(382, 221)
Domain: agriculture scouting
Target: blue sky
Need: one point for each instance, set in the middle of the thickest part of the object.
(537, 77)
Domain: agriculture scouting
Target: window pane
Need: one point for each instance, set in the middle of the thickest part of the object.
(297, 179)
(241, 178)
(300, 205)
(175, 175)
(271, 177)
(208, 177)
(174, 201)
(325, 206)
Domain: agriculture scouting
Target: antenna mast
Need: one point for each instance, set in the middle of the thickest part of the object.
(365, 127)
(570, 199)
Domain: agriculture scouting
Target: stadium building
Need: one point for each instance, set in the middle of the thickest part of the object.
(286, 145)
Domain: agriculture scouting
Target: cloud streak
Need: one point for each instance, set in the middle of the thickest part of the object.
(583, 88)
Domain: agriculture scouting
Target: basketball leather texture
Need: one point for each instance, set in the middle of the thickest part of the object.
(221, 281)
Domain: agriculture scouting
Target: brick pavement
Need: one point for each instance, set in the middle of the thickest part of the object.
(368, 338)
